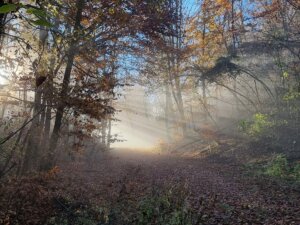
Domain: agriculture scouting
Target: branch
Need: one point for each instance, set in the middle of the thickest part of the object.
(295, 4)
(4, 140)
(248, 72)
(236, 92)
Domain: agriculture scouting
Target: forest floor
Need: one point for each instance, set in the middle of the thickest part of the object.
(136, 187)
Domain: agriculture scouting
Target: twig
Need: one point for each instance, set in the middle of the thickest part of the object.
(18, 130)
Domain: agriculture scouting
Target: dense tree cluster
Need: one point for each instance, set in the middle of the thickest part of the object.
(225, 61)
(63, 57)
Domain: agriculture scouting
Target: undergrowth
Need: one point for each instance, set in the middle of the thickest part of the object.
(162, 207)
(168, 208)
(77, 214)
(277, 167)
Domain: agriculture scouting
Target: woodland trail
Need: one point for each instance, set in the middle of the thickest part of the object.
(216, 188)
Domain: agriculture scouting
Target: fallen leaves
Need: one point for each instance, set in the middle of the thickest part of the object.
(216, 192)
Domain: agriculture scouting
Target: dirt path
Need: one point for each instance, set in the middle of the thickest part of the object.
(215, 189)
(218, 189)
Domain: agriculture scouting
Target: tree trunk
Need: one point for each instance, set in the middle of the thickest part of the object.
(2, 23)
(49, 101)
(33, 150)
(204, 102)
(180, 105)
(234, 42)
(65, 86)
(167, 112)
(103, 131)
(109, 134)
(3, 109)
(44, 103)
(31, 153)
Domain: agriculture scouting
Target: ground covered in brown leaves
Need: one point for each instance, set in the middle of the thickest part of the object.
(127, 187)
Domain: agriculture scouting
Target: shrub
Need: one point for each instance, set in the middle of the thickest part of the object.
(278, 167)
(258, 126)
(168, 208)
(296, 171)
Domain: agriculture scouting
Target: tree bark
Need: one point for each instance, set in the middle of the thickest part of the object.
(109, 134)
(168, 112)
(2, 23)
(32, 150)
(103, 131)
(65, 86)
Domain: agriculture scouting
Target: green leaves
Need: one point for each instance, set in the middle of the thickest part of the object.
(37, 12)
(7, 8)
(278, 167)
(41, 22)
(40, 14)
(260, 125)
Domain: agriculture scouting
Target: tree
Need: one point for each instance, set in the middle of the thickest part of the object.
(117, 19)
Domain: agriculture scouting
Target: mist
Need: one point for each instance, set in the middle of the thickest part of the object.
(132, 112)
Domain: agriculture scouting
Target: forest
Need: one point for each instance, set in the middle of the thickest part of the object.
(144, 112)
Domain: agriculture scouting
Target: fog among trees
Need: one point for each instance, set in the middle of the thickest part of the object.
(169, 112)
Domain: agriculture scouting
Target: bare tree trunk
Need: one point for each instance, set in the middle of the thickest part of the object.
(31, 152)
(47, 122)
(233, 31)
(44, 103)
(25, 94)
(174, 64)
(180, 106)
(167, 112)
(3, 109)
(49, 100)
(109, 134)
(204, 102)
(103, 132)
(2, 23)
